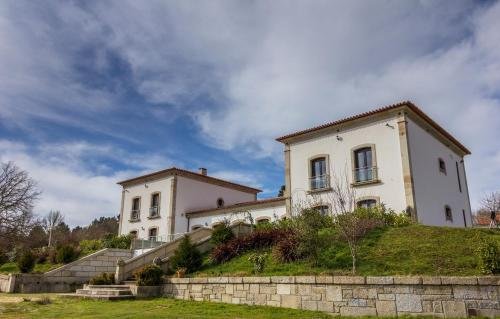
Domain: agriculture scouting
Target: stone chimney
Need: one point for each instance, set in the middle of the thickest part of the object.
(202, 171)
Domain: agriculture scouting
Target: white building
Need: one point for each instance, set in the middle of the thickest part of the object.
(396, 156)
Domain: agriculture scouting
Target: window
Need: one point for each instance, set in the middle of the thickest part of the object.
(318, 174)
(447, 213)
(364, 170)
(195, 227)
(133, 233)
(154, 210)
(458, 178)
(367, 203)
(136, 209)
(220, 202)
(465, 219)
(442, 166)
(153, 234)
(322, 209)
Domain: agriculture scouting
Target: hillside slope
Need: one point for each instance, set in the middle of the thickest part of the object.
(411, 250)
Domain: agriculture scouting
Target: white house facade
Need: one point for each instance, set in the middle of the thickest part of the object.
(396, 156)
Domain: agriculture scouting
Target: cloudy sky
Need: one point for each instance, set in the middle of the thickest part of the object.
(92, 92)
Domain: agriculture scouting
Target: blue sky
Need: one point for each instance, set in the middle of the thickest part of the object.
(92, 92)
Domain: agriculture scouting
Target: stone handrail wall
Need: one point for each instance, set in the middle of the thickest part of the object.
(66, 278)
(5, 283)
(91, 265)
(126, 268)
(449, 297)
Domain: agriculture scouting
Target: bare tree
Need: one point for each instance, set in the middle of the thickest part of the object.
(53, 219)
(491, 202)
(18, 192)
(352, 227)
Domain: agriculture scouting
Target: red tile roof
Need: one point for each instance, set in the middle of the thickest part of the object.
(409, 104)
(186, 173)
(239, 205)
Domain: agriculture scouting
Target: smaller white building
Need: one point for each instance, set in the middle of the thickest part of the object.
(396, 156)
(154, 206)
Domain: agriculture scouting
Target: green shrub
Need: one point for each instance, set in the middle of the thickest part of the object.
(103, 279)
(89, 246)
(3, 257)
(186, 256)
(308, 225)
(26, 262)
(149, 276)
(120, 242)
(221, 234)
(489, 257)
(259, 262)
(66, 254)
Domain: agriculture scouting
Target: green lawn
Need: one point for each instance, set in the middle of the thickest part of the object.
(411, 250)
(152, 308)
(39, 268)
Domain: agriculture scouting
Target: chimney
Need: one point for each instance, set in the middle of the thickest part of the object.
(202, 171)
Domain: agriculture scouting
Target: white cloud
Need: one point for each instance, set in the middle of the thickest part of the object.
(81, 192)
(268, 67)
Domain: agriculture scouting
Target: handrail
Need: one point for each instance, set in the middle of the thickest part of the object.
(319, 182)
(125, 268)
(365, 174)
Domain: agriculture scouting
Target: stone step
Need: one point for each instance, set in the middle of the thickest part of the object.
(104, 292)
(107, 286)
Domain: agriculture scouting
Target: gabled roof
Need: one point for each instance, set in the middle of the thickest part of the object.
(253, 204)
(388, 108)
(185, 173)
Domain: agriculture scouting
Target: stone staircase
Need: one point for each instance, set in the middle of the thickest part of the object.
(161, 254)
(103, 292)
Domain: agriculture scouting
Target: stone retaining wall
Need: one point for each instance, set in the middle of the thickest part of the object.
(68, 277)
(91, 265)
(5, 283)
(448, 297)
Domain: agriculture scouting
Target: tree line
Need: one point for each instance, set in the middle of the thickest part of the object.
(21, 228)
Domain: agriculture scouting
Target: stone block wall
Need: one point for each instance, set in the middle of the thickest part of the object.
(66, 278)
(448, 297)
(94, 264)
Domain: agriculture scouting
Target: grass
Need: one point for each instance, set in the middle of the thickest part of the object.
(151, 308)
(11, 267)
(411, 250)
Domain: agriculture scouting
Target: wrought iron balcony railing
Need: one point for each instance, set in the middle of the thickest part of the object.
(154, 211)
(319, 182)
(135, 214)
(365, 174)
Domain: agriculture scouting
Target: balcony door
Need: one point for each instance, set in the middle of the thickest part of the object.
(318, 173)
(363, 162)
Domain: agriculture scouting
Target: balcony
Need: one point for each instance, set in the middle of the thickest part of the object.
(154, 212)
(135, 215)
(365, 175)
(320, 182)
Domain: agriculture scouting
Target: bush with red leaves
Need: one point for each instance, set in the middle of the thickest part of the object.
(258, 239)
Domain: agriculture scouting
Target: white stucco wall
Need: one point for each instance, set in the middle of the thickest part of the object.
(273, 213)
(163, 187)
(197, 195)
(433, 189)
(388, 155)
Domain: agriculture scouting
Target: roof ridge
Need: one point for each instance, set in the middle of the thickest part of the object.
(248, 203)
(174, 169)
(408, 103)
